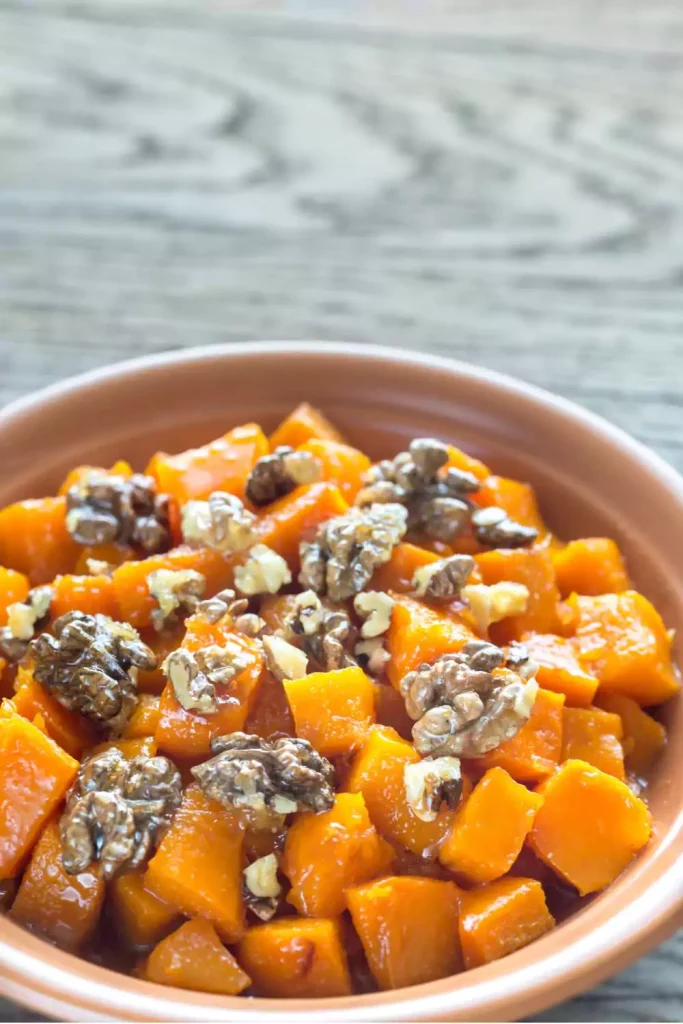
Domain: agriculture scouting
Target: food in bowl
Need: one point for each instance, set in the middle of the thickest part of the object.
(279, 721)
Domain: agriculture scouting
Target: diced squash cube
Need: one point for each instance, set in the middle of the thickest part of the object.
(198, 864)
(139, 746)
(592, 735)
(490, 828)
(535, 751)
(304, 424)
(270, 710)
(297, 516)
(112, 554)
(390, 709)
(34, 539)
(34, 776)
(14, 587)
(592, 565)
(417, 634)
(502, 917)
(67, 728)
(377, 772)
(341, 464)
(621, 639)
(154, 680)
(589, 827)
(141, 918)
(220, 465)
(326, 853)
(193, 957)
(332, 710)
(516, 498)
(397, 574)
(79, 473)
(89, 594)
(643, 737)
(459, 459)
(408, 928)
(559, 668)
(296, 958)
(62, 908)
(145, 718)
(534, 568)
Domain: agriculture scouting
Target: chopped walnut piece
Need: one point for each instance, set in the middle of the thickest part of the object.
(375, 652)
(324, 634)
(89, 666)
(261, 887)
(436, 498)
(264, 572)
(224, 603)
(375, 607)
(443, 580)
(251, 625)
(105, 508)
(194, 675)
(221, 523)
(491, 604)
(347, 549)
(266, 778)
(98, 567)
(430, 783)
(461, 707)
(117, 810)
(279, 473)
(174, 590)
(283, 659)
(494, 528)
(24, 620)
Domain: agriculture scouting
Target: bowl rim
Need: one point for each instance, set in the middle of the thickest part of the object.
(60, 986)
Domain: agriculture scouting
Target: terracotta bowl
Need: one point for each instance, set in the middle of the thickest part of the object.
(591, 479)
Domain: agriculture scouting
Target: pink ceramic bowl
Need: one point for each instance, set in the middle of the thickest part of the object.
(591, 479)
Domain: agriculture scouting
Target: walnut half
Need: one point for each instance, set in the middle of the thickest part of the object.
(430, 783)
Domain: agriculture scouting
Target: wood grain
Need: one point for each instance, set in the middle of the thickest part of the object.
(499, 182)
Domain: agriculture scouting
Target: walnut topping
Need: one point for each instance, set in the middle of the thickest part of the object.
(347, 549)
(431, 783)
(89, 666)
(224, 603)
(174, 590)
(98, 567)
(443, 580)
(322, 633)
(221, 523)
(494, 528)
(267, 778)
(279, 473)
(283, 659)
(491, 604)
(105, 508)
(437, 499)
(261, 887)
(117, 810)
(376, 655)
(194, 675)
(24, 620)
(461, 707)
(264, 572)
(375, 607)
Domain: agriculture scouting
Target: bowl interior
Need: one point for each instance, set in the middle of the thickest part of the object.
(590, 480)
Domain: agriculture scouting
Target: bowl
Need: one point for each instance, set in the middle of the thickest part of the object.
(591, 479)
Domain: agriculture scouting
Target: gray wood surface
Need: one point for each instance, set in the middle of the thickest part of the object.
(502, 182)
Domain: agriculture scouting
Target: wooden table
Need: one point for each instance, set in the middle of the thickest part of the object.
(503, 187)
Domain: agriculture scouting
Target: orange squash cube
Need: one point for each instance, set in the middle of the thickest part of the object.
(535, 751)
(621, 639)
(490, 828)
(140, 917)
(326, 853)
(34, 776)
(592, 735)
(270, 711)
(590, 826)
(67, 728)
(516, 498)
(341, 464)
(418, 634)
(397, 574)
(502, 917)
(643, 736)
(592, 565)
(193, 957)
(534, 568)
(559, 668)
(89, 594)
(297, 516)
(198, 864)
(14, 588)
(304, 424)
(145, 718)
(296, 958)
(34, 539)
(332, 710)
(408, 928)
(62, 908)
(459, 459)
(377, 771)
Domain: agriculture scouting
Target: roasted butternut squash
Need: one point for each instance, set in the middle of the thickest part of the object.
(534, 753)
(499, 918)
(34, 539)
(67, 728)
(141, 918)
(296, 958)
(593, 565)
(517, 498)
(341, 464)
(304, 424)
(419, 634)
(194, 957)
(14, 587)
(559, 668)
(534, 568)
(296, 517)
(332, 710)
(592, 735)
(89, 594)
(643, 736)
